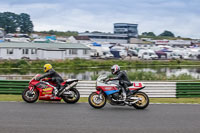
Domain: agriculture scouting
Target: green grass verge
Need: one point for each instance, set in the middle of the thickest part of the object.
(82, 63)
(175, 100)
(18, 98)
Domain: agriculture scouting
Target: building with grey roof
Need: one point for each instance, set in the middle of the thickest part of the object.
(49, 51)
(106, 37)
(123, 32)
(126, 29)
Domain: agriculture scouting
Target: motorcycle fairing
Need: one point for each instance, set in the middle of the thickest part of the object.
(46, 94)
(69, 81)
(111, 92)
(108, 90)
(41, 85)
(136, 86)
(44, 90)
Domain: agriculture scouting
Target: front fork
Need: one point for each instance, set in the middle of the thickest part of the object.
(31, 88)
(99, 92)
(30, 92)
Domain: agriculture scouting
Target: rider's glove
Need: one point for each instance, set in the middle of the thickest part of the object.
(108, 79)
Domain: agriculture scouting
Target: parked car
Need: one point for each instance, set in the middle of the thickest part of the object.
(107, 55)
(174, 56)
(147, 55)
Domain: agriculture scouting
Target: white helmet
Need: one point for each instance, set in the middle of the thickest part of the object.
(115, 69)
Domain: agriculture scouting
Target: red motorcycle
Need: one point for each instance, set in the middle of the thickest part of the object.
(110, 90)
(45, 90)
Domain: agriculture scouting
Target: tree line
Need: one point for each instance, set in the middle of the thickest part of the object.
(164, 34)
(59, 33)
(22, 23)
(12, 22)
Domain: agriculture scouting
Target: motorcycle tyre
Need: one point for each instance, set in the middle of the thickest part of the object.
(147, 98)
(30, 101)
(69, 100)
(91, 103)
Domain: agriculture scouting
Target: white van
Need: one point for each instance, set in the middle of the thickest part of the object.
(147, 55)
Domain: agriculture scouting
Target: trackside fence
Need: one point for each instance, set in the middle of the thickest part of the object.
(188, 89)
(153, 89)
(12, 86)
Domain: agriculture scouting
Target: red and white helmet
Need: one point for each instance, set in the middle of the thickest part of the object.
(115, 69)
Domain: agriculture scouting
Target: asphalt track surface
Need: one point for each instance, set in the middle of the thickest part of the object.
(21, 117)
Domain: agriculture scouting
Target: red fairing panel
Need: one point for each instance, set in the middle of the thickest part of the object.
(105, 88)
(136, 86)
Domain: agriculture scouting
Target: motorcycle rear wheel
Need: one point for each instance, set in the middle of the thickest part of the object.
(141, 104)
(30, 96)
(73, 99)
(95, 101)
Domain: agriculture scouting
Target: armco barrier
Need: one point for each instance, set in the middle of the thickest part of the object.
(187, 89)
(12, 86)
(153, 89)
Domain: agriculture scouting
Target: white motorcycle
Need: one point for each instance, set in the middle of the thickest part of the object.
(110, 90)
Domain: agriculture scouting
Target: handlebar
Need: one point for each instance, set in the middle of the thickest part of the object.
(106, 80)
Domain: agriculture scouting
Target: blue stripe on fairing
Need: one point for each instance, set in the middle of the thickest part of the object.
(111, 92)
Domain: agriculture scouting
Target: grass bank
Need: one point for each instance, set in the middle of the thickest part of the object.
(18, 98)
(78, 63)
(76, 66)
(150, 76)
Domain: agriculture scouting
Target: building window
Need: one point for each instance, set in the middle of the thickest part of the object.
(85, 52)
(9, 51)
(33, 51)
(25, 51)
(73, 51)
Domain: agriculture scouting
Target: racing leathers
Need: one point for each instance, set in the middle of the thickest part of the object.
(123, 80)
(55, 77)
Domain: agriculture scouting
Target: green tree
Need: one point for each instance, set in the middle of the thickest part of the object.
(9, 21)
(167, 34)
(52, 32)
(25, 23)
(96, 32)
(148, 34)
(60, 33)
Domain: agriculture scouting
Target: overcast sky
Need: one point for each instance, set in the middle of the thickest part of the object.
(182, 17)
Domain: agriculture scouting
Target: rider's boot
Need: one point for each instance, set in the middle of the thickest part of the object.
(124, 95)
(60, 90)
(128, 93)
(55, 92)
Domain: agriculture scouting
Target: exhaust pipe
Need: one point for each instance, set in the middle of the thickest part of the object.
(68, 87)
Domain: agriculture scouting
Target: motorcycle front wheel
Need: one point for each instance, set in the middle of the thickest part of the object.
(73, 98)
(30, 96)
(143, 102)
(97, 100)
